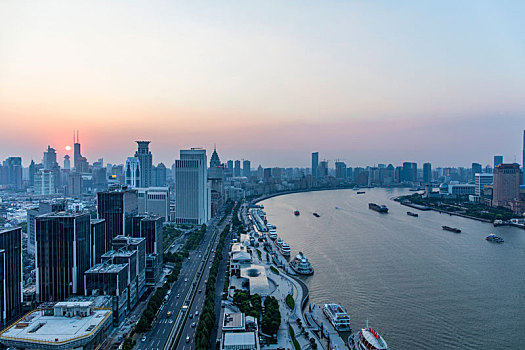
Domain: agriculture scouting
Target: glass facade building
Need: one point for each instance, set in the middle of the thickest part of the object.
(11, 274)
(118, 208)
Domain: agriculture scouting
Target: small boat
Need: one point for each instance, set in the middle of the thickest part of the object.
(337, 316)
(367, 338)
(316, 215)
(409, 213)
(296, 213)
(378, 208)
(498, 223)
(494, 238)
(451, 229)
(360, 192)
(301, 265)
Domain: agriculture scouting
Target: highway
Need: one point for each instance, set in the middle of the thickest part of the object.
(165, 329)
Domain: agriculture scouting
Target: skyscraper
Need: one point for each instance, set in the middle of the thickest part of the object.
(133, 174)
(44, 182)
(476, 169)
(215, 161)
(117, 207)
(498, 160)
(427, 173)
(14, 172)
(506, 184)
(67, 163)
(50, 158)
(10, 275)
(143, 154)
(192, 192)
(62, 255)
(315, 163)
(237, 168)
(76, 152)
(340, 170)
(246, 168)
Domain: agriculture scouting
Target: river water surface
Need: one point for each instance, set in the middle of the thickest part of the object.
(419, 286)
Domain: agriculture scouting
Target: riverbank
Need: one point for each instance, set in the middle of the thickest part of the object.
(268, 196)
(426, 208)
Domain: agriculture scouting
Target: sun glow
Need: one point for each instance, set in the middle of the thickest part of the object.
(68, 148)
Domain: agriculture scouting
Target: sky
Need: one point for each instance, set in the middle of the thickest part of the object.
(366, 82)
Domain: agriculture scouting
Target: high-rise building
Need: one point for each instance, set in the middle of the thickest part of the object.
(76, 153)
(13, 175)
(62, 254)
(67, 163)
(476, 169)
(144, 156)
(322, 169)
(117, 206)
(133, 173)
(315, 163)
(229, 164)
(10, 275)
(506, 184)
(192, 191)
(44, 207)
(498, 160)
(74, 184)
(246, 168)
(481, 180)
(237, 169)
(32, 172)
(427, 173)
(154, 200)
(215, 161)
(340, 170)
(97, 241)
(160, 175)
(44, 182)
(50, 158)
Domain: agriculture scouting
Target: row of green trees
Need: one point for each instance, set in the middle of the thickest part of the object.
(250, 305)
(271, 317)
(207, 319)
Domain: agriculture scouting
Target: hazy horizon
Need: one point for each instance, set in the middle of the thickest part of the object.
(364, 82)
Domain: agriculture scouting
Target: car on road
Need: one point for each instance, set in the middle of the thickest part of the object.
(191, 315)
(196, 313)
(193, 325)
(188, 339)
(178, 296)
(143, 339)
(168, 314)
(185, 280)
(200, 290)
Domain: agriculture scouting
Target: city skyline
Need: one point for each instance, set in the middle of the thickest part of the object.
(363, 85)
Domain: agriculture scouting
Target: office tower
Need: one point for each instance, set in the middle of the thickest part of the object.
(11, 275)
(154, 200)
(32, 172)
(150, 228)
(267, 173)
(129, 257)
(322, 169)
(481, 180)
(260, 172)
(160, 175)
(76, 153)
(229, 164)
(506, 184)
(62, 254)
(44, 182)
(97, 241)
(523, 159)
(315, 163)
(137, 244)
(44, 207)
(413, 172)
(215, 160)
(340, 170)
(427, 173)
(133, 173)
(192, 192)
(350, 173)
(50, 158)
(74, 184)
(143, 154)
(12, 173)
(277, 173)
(246, 168)
(99, 178)
(476, 169)
(67, 163)
(498, 160)
(237, 168)
(117, 207)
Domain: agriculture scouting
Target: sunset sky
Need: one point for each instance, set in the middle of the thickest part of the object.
(271, 81)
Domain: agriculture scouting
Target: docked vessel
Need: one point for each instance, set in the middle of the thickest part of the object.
(409, 213)
(337, 316)
(278, 243)
(284, 248)
(451, 229)
(367, 339)
(272, 234)
(296, 213)
(301, 265)
(494, 238)
(360, 192)
(316, 215)
(498, 223)
(378, 208)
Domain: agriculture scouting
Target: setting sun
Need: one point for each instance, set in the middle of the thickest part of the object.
(68, 148)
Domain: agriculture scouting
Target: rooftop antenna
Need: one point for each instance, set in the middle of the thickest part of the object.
(73, 136)
(78, 140)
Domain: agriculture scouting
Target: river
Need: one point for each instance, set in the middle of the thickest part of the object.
(419, 286)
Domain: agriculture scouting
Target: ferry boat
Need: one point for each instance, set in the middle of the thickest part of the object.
(409, 213)
(378, 208)
(316, 215)
(278, 243)
(498, 223)
(494, 238)
(452, 229)
(367, 339)
(285, 249)
(296, 213)
(337, 316)
(272, 234)
(301, 265)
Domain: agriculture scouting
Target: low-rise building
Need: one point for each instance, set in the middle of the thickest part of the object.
(65, 325)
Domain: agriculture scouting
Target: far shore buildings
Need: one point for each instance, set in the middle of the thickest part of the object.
(506, 193)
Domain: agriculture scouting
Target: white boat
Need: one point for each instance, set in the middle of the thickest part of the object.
(367, 339)
(301, 265)
(272, 234)
(278, 243)
(337, 316)
(285, 249)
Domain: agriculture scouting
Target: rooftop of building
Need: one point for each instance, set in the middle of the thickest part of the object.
(37, 326)
(256, 275)
(239, 339)
(6, 229)
(128, 239)
(234, 320)
(97, 221)
(107, 268)
(64, 214)
(120, 253)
